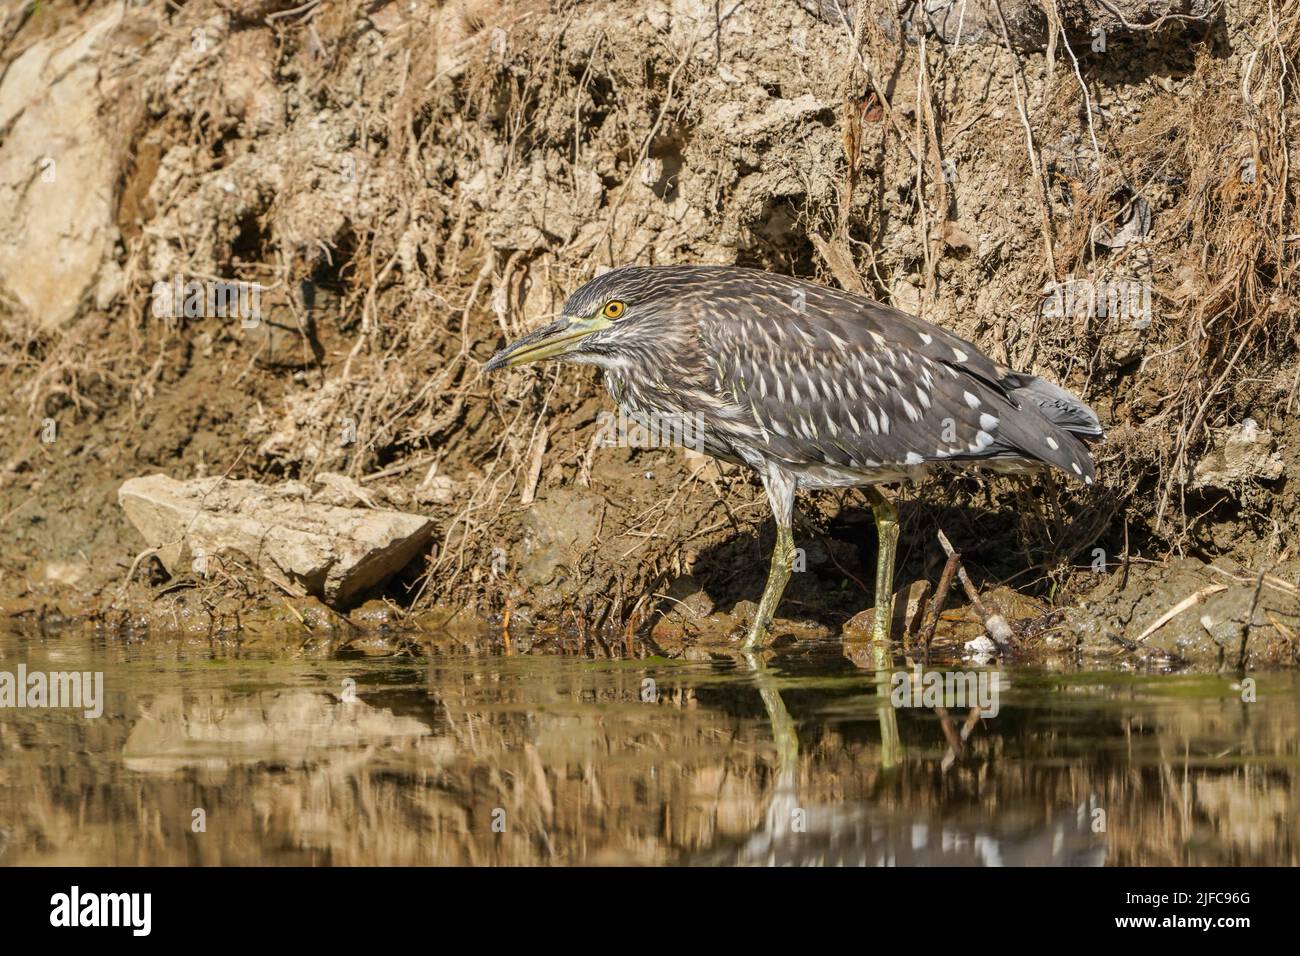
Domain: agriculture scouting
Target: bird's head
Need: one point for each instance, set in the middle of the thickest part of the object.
(605, 320)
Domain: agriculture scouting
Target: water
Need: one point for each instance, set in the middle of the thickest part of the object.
(206, 756)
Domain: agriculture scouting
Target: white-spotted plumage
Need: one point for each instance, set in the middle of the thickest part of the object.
(841, 391)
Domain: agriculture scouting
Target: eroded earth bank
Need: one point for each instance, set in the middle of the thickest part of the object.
(1103, 194)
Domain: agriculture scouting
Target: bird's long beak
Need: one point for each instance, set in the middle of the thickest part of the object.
(547, 342)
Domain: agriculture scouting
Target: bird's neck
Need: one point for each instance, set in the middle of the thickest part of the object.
(619, 387)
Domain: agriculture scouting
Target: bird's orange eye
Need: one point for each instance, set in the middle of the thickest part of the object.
(613, 309)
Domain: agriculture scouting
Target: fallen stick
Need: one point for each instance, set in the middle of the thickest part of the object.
(147, 552)
(1249, 623)
(940, 596)
(1147, 653)
(1276, 583)
(1287, 633)
(1189, 601)
(994, 623)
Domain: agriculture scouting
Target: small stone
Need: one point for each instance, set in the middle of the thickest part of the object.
(333, 552)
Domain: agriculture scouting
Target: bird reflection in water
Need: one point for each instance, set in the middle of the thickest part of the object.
(793, 834)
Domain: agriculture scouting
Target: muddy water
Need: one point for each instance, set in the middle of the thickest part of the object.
(221, 757)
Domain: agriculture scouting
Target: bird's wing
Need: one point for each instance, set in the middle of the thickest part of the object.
(834, 378)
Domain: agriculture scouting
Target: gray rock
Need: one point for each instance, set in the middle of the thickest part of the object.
(333, 552)
(980, 651)
(558, 530)
(687, 602)
(58, 165)
(1238, 454)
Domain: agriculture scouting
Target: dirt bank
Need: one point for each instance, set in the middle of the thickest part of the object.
(409, 184)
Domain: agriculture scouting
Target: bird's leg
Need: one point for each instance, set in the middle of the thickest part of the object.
(780, 493)
(778, 575)
(887, 534)
(784, 799)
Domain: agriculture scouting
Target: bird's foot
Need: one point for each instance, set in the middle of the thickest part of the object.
(766, 639)
(755, 637)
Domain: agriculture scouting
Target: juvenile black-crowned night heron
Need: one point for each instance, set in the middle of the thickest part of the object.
(812, 387)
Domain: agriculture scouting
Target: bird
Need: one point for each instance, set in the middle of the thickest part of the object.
(811, 387)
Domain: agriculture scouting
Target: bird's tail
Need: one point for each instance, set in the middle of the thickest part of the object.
(1053, 426)
(1058, 406)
